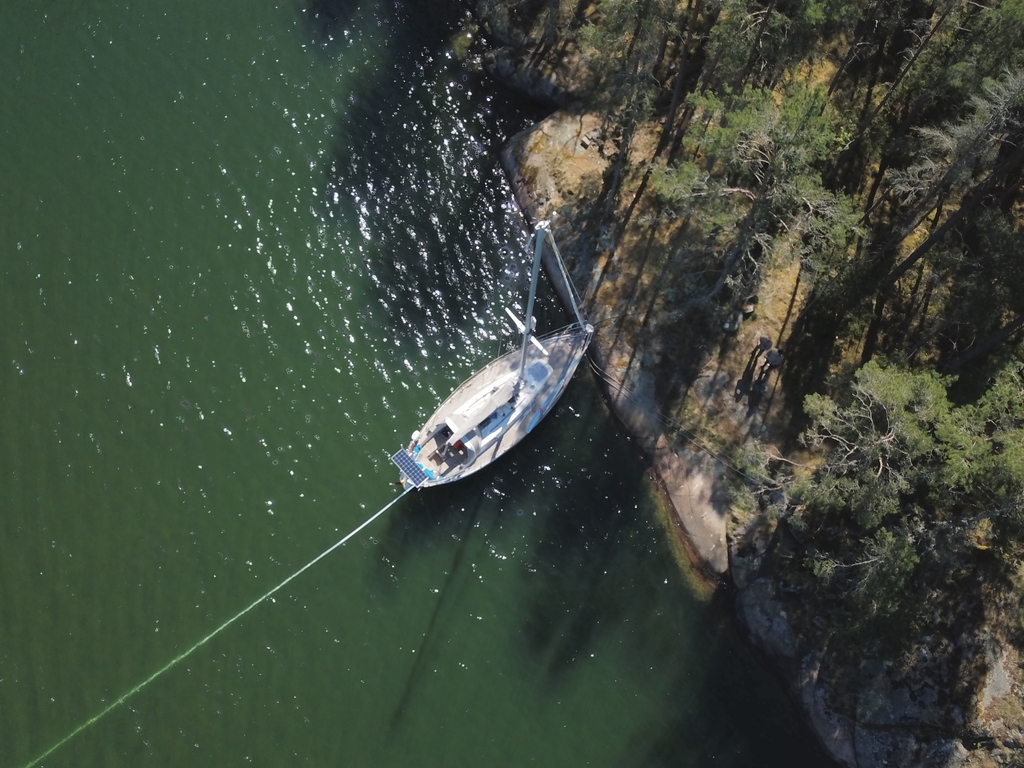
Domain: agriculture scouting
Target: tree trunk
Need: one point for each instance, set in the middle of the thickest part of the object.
(666, 131)
(753, 55)
(869, 118)
(903, 72)
(985, 346)
(969, 203)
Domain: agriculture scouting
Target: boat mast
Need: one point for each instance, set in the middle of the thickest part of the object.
(539, 234)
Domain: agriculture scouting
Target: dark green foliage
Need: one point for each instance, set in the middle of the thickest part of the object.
(912, 491)
(753, 170)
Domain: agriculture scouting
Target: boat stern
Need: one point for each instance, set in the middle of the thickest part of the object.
(411, 474)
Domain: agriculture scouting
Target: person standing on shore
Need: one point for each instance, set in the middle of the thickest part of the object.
(772, 360)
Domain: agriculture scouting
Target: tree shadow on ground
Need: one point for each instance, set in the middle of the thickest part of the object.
(812, 352)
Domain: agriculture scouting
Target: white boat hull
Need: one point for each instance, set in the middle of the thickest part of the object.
(487, 415)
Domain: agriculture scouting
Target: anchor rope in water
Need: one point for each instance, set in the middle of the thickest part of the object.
(185, 654)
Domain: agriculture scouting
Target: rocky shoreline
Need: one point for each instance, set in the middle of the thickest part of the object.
(897, 721)
(556, 167)
(691, 480)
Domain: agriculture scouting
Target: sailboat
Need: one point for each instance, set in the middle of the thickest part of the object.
(493, 410)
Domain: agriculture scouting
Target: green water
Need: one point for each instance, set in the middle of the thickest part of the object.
(245, 249)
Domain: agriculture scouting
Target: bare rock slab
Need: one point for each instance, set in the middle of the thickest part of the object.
(695, 490)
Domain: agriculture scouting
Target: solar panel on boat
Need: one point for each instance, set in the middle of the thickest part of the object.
(410, 468)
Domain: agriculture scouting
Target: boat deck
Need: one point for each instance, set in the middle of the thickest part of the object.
(480, 421)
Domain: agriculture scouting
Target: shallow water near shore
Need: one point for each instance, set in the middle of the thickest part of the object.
(246, 250)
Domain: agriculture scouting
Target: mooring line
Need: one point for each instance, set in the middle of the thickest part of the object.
(181, 656)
